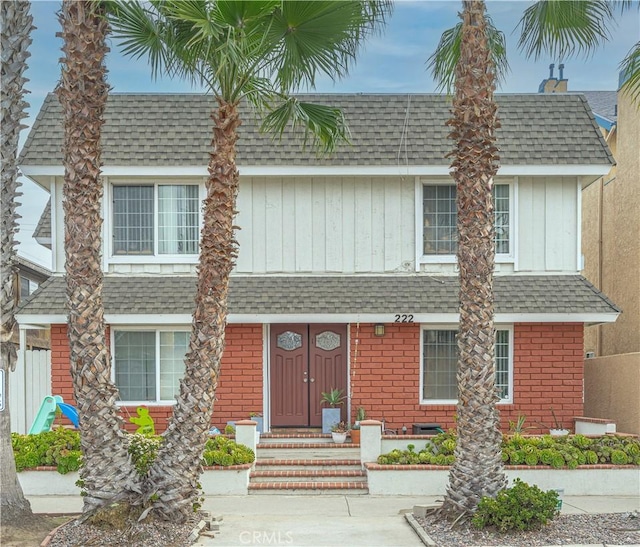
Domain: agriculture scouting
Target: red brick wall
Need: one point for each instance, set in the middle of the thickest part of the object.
(385, 375)
(239, 389)
(60, 364)
(548, 372)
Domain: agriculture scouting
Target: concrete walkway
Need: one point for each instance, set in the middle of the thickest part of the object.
(325, 521)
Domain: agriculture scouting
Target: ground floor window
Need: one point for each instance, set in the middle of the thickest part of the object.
(148, 365)
(440, 361)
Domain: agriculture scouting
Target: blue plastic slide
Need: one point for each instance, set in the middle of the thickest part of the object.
(70, 412)
(46, 414)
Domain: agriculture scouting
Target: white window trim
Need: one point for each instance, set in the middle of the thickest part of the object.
(155, 258)
(421, 258)
(454, 326)
(157, 331)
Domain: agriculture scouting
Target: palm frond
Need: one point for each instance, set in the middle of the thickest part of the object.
(320, 37)
(630, 71)
(562, 28)
(443, 61)
(324, 125)
(139, 33)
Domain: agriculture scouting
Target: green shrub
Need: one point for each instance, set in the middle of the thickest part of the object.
(619, 457)
(521, 507)
(61, 448)
(58, 448)
(557, 452)
(143, 450)
(222, 451)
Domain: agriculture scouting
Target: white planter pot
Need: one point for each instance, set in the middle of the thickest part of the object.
(558, 432)
(339, 438)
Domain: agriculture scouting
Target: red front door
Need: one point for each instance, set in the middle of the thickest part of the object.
(305, 361)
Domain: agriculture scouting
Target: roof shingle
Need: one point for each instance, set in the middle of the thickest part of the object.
(331, 295)
(386, 130)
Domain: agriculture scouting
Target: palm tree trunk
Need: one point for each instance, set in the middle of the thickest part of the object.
(106, 469)
(478, 470)
(16, 39)
(173, 479)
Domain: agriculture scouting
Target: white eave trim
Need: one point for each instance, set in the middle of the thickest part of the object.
(184, 319)
(333, 170)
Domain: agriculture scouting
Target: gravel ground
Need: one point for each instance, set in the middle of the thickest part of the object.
(155, 534)
(608, 528)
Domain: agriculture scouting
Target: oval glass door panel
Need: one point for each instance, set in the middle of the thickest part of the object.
(289, 341)
(328, 340)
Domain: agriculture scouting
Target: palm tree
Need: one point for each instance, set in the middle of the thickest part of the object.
(106, 470)
(558, 29)
(478, 469)
(16, 39)
(258, 52)
(468, 58)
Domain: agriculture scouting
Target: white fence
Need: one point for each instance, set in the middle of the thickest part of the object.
(28, 385)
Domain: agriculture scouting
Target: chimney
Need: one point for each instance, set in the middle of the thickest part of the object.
(552, 84)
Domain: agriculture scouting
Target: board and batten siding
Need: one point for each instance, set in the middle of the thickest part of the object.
(548, 225)
(350, 225)
(322, 224)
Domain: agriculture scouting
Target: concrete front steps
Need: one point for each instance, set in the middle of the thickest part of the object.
(301, 464)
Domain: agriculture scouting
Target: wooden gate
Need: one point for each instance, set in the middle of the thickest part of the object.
(28, 385)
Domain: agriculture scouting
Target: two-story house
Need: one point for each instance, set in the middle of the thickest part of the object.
(346, 276)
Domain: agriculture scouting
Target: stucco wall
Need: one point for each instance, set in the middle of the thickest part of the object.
(611, 237)
(612, 390)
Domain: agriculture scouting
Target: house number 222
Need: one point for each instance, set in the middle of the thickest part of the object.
(404, 318)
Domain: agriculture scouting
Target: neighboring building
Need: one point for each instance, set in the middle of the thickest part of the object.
(611, 250)
(611, 225)
(346, 275)
(29, 277)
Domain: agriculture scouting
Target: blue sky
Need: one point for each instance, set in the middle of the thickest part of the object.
(393, 62)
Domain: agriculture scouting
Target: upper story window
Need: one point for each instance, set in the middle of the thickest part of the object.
(440, 234)
(27, 286)
(161, 219)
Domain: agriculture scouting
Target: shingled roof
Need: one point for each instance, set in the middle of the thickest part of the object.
(253, 295)
(386, 130)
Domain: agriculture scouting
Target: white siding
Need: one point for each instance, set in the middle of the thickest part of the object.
(362, 225)
(547, 224)
(317, 224)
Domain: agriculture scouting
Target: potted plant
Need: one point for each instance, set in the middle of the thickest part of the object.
(355, 433)
(339, 432)
(331, 415)
(557, 430)
(355, 430)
